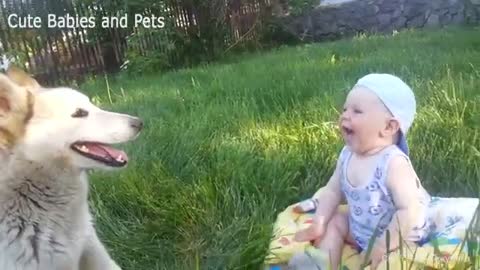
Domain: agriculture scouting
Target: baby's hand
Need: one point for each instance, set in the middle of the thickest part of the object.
(313, 233)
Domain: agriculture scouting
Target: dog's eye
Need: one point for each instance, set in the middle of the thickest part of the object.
(80, 113)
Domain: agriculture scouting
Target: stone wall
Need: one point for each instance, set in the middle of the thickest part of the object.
(336, 18)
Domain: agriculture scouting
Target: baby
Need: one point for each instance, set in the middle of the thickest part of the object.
(373, 174)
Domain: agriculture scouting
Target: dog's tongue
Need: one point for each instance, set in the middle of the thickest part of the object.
(102, 150)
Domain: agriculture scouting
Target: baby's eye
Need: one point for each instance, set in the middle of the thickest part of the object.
(357, 111)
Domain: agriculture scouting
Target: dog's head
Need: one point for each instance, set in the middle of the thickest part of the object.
(62, 123)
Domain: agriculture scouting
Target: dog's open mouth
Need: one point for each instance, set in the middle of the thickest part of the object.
(101, 152)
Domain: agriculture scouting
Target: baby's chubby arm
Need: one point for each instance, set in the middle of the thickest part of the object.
(327, 204)
(402, 181)
(328, 199)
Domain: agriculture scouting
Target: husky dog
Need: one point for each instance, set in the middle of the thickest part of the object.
(49, 139)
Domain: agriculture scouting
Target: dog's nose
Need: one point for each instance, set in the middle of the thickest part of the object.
(136, 123)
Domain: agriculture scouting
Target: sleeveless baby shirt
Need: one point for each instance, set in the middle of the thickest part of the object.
(371, 206)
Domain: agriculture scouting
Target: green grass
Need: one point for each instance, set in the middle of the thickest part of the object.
(228, 146)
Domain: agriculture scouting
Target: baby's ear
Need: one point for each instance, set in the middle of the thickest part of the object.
(393, 125)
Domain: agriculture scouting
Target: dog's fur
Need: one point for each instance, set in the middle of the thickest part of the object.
(45, 223)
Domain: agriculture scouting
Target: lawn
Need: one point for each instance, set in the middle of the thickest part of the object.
(228, 146)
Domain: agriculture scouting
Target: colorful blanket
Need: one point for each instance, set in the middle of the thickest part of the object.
(449, 246)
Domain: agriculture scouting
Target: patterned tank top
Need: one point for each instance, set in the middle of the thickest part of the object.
(371, 206)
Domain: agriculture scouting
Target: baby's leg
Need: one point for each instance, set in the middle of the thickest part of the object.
(333, 240)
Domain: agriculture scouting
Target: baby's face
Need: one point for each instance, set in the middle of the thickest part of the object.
(363, 119)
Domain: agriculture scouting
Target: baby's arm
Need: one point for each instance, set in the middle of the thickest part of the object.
(329, 199)
(403, 184)
(326, 205)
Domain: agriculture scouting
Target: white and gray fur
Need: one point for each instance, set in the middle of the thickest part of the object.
(45, 221)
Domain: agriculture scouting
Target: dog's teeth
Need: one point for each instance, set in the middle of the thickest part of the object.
(119, 158)
(84, 148)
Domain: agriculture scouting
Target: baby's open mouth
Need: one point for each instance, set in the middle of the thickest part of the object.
(347, 130)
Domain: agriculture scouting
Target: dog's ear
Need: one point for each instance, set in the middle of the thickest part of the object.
(21, 78)
(6, 90)
(4, 105)
(16, 109)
